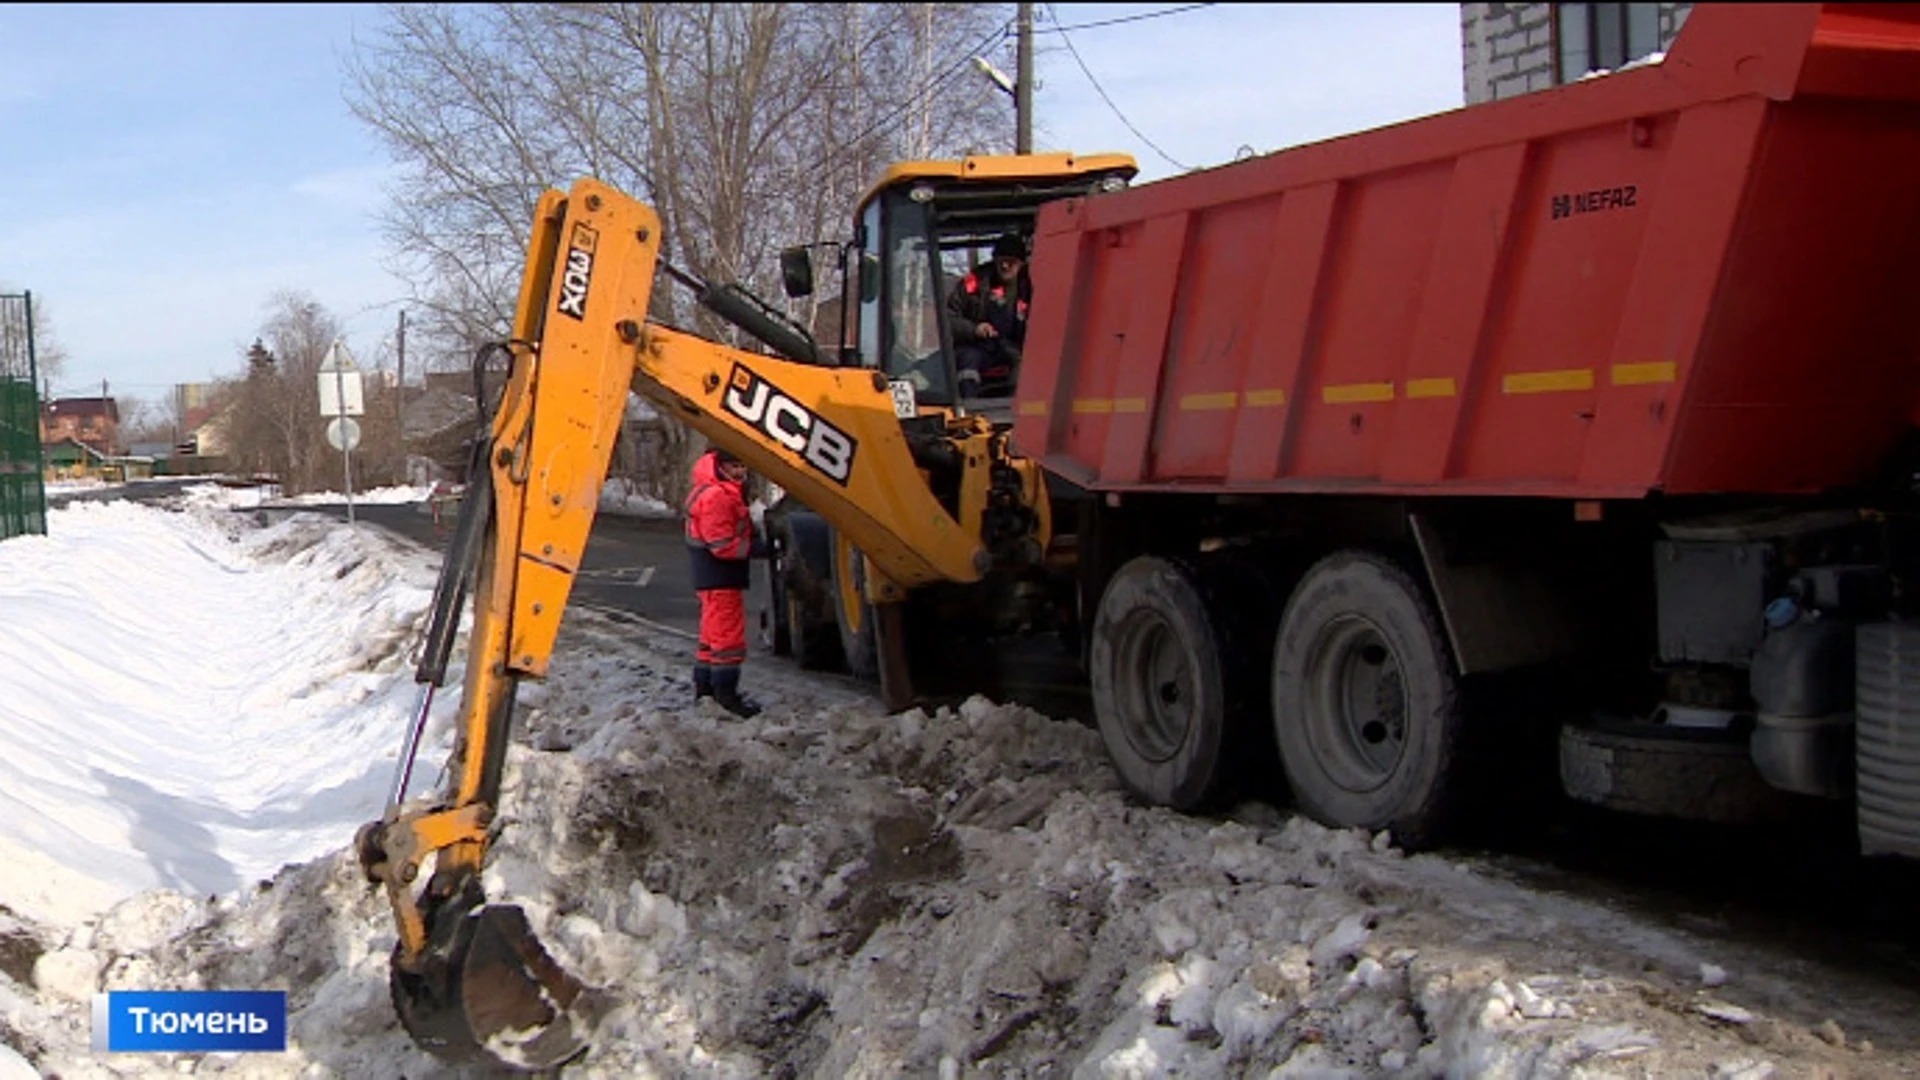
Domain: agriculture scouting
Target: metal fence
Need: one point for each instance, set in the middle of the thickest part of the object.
(23, 495)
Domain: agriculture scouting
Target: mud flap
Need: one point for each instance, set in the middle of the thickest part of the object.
(486, 991)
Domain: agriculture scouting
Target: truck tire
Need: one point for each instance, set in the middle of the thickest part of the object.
(1366, 704)
(773, 621)
(802, 603)
(859, 642)
(1164, 673)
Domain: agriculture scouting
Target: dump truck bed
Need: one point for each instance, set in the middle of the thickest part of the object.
(1693, 276)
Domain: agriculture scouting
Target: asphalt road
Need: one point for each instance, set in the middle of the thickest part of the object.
(631, 564)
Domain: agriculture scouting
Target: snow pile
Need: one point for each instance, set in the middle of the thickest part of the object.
(617, 496)
(120, 772)
(828, 891)
(1653, 59)
(383, 496)
(70, 486)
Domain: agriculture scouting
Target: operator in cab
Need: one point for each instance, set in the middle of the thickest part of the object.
(721, 544)
(988, 311)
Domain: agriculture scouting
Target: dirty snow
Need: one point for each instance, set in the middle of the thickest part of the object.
(199, 710)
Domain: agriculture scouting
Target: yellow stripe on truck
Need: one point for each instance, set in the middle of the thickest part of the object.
(1348, 393)
(1663, 371)
(1431, 388)
(1226, 399)
(1547, 382)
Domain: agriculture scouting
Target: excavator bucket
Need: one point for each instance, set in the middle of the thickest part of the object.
(486, 991)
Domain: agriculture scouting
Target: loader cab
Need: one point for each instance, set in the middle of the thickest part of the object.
(917, 234)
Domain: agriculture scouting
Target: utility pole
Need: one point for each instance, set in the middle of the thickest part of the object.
(923, 125)
(1023, 75)
(400, 384)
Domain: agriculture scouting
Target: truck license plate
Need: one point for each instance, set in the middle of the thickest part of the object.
(904, 404)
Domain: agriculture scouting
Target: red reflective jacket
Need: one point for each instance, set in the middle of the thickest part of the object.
(719, 529)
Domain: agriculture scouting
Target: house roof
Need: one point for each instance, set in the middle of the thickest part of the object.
(197, 415)
(84, 407)
(431, 411)
(74, 449)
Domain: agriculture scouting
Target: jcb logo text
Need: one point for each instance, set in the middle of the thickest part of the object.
(578, 273)
(791, 424)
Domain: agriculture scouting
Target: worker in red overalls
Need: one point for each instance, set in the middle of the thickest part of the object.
(720, 542)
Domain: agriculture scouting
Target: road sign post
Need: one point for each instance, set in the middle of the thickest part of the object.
(340, 400)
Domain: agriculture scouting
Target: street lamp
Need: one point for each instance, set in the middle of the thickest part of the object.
(1020, 89)
(999, 78)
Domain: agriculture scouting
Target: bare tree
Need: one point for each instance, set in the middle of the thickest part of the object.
(745, 125)
(277, 427)
(300, 331)
(48, 355)
(159, 419)
(255, 444)
(145, 420)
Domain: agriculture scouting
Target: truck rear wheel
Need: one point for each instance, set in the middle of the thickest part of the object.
(1365, 700)
(859, 642)
(801, 602)
(1163, 682)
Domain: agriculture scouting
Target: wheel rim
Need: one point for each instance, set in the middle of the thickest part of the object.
(1356, 704)
(1156, 686)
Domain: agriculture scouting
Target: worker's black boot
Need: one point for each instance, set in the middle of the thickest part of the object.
(743, 707)
(726, 692)
(702, 682)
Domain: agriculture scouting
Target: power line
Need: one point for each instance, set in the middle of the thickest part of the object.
(1181, 10)
(1103, 94)
(899, 111)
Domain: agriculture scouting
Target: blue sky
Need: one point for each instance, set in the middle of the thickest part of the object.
(167, 168)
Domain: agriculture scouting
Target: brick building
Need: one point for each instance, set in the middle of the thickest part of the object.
(94, 422)
(1510, 49)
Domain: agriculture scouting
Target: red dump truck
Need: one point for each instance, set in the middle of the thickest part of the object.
(1617, 381)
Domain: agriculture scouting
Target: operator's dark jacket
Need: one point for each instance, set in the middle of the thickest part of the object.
(981, 297)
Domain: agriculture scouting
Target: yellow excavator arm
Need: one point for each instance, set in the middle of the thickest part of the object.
(469, 979)
(829, 436)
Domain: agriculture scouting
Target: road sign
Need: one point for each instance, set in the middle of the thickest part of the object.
(340, 391)
(343, 433)
(338, 358)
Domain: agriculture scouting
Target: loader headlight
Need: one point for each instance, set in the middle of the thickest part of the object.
(921, 193)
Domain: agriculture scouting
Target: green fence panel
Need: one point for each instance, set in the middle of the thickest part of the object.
(23, 495)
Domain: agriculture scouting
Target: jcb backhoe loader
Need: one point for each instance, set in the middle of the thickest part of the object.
(917, 488)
